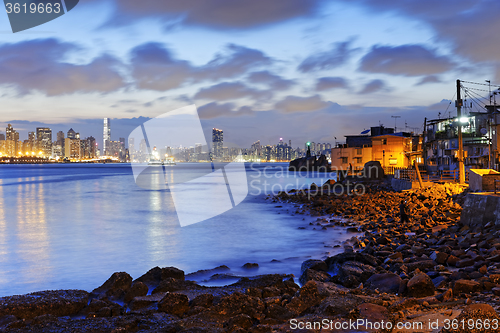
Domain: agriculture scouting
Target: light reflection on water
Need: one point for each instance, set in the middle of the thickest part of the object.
(72, 226)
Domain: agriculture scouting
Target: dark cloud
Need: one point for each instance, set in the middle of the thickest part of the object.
(214, 110)
(301, 104)
(327, 83)
(429, 79)
(273, 81)
(373, 86)
(337, 56)
(38, 65)
(407, 60)
(460, 22)
(231, 90)
(214, 14)
(155, 68)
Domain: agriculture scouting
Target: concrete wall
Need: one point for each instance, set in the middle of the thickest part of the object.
(483, 179)
(403, 184)
(480, 209)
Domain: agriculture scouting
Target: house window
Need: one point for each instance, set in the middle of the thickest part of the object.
(393, 161)
(358, 160)
(384, 141)
(359, 151)
(344, 160)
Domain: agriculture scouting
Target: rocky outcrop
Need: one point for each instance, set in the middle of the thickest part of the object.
(310, 164)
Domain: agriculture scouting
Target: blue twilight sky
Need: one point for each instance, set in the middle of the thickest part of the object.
(260, 70)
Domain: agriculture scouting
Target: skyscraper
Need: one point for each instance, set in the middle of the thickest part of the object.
(217, 142)
(106, 136)
(44, 140)
(71, 134)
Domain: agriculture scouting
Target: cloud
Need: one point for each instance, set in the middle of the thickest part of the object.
(373, 86)
(429, 79)
(38, 65)
(273, 81)
(235, 61)
(214, 14)
(407, 60)
(301, 104)
(214, 110)
(327, 83)
(337, 56)
(155, 68)
(460, 22)
(231, 90)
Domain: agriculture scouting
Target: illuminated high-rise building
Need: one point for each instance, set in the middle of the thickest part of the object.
(217, 143)
(71, 134)
(106, 136)
(44, 140)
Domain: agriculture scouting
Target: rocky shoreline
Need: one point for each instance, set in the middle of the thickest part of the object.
(430, 270)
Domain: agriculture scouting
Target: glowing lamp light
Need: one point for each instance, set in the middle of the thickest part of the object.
(464, 120)
(308, 143)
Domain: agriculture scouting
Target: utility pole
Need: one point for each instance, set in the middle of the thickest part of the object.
(461, 169)
(424, 143)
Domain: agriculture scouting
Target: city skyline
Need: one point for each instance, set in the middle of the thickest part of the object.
(73, 146)
(317, 68)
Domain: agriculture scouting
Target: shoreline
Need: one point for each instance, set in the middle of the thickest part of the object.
(392, 272)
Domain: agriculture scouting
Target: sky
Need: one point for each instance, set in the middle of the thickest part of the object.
(260, 70)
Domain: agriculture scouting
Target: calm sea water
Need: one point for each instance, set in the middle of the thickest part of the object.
(72, 226)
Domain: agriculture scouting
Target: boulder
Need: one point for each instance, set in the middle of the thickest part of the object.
(307, 298)
(238, 303)
(351, 273)
(311, 274)
(420, 286)
(54, 302)
(373, 170)
(204, 300)
(174, 303)
(466, 286)
(385, 283)
(138, 289)
(115, 287)
(315, 264)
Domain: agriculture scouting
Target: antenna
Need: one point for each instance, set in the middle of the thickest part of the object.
(395, 120)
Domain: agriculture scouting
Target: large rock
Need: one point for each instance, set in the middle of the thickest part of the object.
(174, 303)
(385, 283)
(420, 286)
(466, 286)
(373, 170)
(115, 287)
(55, 302)
(307, 298)
(310, 164)
(238, 303)
(351, 273)
(311, 274)
(156, 274)
(137, 289)
(315, 264)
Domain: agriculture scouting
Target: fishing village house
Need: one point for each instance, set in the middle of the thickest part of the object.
(479, 136)
(392, 150)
